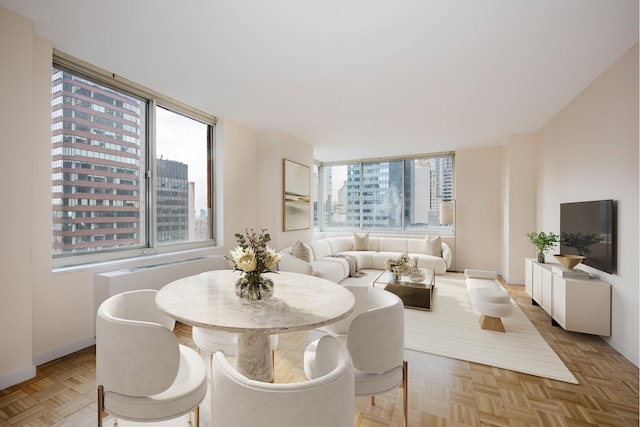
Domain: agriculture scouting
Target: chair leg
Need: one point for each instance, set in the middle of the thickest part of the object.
(405, 393)
(373, 401)
(100, 405)
(196, 416)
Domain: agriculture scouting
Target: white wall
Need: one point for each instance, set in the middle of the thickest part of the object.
(479, 208)
(17, 44)
(273, 148)
(589, 151)
(519, 204)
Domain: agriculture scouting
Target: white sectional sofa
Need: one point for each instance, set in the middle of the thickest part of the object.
(327, 256)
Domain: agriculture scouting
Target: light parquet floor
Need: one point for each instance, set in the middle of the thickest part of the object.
(443, 392)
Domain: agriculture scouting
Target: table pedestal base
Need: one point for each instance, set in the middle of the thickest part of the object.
(254, 357)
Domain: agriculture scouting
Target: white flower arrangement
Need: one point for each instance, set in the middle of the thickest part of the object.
(252, 255)
(399, 265)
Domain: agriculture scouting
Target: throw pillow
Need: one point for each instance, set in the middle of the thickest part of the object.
(299, 250)
(361, 241)
(433, 245)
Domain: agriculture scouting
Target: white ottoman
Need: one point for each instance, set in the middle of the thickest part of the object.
(488, 298)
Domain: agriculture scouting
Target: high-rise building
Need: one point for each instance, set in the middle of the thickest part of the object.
(98, 166)
(172, 192)
(96, 149)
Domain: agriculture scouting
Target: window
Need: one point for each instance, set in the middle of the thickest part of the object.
(389, 195)
(109, 199)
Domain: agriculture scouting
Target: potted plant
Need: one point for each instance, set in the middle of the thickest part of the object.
(543, 242)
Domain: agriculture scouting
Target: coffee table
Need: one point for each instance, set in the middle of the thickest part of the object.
(418, 295)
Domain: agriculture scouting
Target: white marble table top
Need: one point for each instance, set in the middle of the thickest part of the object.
(299, 302)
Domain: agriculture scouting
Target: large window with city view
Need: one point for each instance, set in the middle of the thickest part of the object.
(116, 191)
(399, 194)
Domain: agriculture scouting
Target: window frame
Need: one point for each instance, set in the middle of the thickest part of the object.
(404, 229)
(148, 175)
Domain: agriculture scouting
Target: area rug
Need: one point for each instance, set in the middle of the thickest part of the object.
(452, 329)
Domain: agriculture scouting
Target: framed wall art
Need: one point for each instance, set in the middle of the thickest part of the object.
(297, 199)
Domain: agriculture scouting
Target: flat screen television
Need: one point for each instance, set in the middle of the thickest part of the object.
(589, 229)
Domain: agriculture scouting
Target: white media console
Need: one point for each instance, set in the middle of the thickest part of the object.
(577, 305)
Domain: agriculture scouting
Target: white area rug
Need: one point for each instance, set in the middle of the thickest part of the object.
(452, 329)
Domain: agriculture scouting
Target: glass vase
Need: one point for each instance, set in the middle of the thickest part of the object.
(417, 274)
(541, 257)
(254, 287)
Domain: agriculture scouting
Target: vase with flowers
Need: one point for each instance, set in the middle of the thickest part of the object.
(398, 266)
(253, 258)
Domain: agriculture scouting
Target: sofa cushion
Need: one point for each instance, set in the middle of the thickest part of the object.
(364, 259)
(340, 244)
(299, 250)
(433, 245)
(388, 244)
(416, 246)
(374, 243)
(361, 241)
(334, 269)
(438, 264)
(320, 249)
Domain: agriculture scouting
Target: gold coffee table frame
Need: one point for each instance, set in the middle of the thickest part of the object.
(418, 295)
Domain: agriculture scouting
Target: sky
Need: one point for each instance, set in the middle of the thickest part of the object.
(185, 140)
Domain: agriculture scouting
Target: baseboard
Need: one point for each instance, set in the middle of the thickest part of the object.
(56, 353)
(16, 377)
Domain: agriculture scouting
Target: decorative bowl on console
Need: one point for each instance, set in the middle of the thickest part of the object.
(569, 261)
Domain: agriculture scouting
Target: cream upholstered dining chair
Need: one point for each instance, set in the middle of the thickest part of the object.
(142, 373)
(327, 400)
(374, 336)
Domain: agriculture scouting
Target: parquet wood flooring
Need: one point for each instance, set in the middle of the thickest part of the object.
(443, 392)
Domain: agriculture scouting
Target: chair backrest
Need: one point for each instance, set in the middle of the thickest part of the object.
(137, 353)
(376, 337)
(361, 305)
(328, 400)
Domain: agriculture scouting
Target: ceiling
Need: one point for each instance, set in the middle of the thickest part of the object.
(354, 78)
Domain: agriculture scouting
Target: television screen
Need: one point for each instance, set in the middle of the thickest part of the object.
(588, 229)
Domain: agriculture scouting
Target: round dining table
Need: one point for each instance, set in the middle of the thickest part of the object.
(299, 302)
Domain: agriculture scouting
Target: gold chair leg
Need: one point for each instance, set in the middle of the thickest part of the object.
(100, 405)
(196, 416)
(405, 393)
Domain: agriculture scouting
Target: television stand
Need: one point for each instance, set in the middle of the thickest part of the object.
(575, 304)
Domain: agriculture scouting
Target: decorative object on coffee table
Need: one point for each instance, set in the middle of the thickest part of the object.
(398, 266)
(416, 274)
(543, 242)
(253, 257)
(569, 261)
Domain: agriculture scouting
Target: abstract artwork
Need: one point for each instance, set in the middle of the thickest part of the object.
(297, 198)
